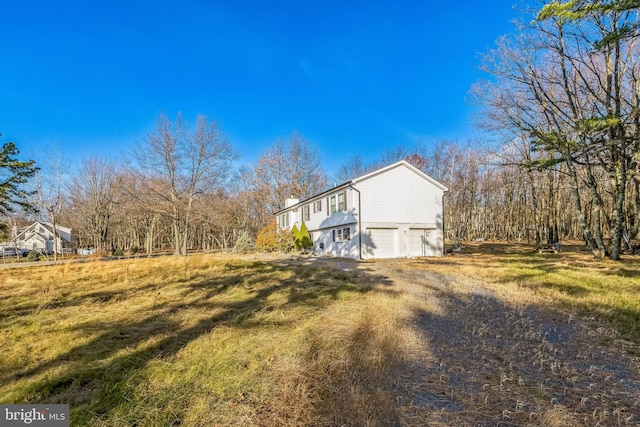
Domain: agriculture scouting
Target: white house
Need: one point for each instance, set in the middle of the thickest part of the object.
(396, 211)
(39, 236)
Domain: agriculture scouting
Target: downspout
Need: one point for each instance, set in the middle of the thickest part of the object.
(359, 220)
(444, 236)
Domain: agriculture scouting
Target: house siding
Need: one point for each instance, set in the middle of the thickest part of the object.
(394, 212)
(400, 196)
(322, 219)
(402, 200)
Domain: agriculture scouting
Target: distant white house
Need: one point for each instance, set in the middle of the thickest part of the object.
(39, 236)
(396, 211)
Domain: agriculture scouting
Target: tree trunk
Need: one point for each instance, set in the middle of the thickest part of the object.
(577, 205)
(618, 212)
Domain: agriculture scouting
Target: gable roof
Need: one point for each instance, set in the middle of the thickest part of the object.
(22, 234)
(364, 178)
(398, 164)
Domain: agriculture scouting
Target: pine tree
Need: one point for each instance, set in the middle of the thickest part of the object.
(14, 173)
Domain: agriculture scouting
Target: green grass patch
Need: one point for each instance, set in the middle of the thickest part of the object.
(573, 279)
(608, 289)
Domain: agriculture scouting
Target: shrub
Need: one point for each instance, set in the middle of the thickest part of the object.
(294, 233)
(33, 256)
(117, 252)
(244, 244)
(305, 237)
(4, 231)
(134, 250)
(302, 238)
(272, 239)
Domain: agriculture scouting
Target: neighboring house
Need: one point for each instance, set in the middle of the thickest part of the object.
(39, 236)
(396, 211)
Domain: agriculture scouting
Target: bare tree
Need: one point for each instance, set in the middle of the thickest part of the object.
(566, 82)
(177, 164)
(353, 168)
(93, 195)
(50, 191)
(287, 168)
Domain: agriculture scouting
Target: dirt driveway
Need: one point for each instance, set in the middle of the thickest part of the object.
(490, 361)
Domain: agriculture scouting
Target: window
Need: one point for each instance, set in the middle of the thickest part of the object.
(341, 234)
(342, 205)
(332, 204)
(283, 220)
(305, 213)
(317, 206)
(337, 202)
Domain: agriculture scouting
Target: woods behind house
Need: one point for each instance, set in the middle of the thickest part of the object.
(560, 160)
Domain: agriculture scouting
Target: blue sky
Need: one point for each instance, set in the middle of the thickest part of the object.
(353, 78)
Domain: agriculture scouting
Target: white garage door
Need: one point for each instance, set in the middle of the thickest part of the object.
(419, 242)
(384, 242)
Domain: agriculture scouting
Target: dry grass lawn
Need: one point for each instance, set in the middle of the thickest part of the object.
(206, 340)
(497, 335)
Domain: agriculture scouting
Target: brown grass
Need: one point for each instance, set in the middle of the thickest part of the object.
(526, 339)
(207, 340)
(498, 335)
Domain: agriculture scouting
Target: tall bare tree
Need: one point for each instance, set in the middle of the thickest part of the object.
(566, 82)
(93, 195)
(50, 191)
(176, 164)
(353, 168)
(290, 168)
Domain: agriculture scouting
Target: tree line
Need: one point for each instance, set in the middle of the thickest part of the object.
(561, 107)
(566, 99)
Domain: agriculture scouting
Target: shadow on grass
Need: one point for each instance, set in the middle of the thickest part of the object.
(94, 375)
(487, 355)
(71, 299)
(587, 293)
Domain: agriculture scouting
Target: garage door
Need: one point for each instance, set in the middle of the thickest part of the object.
(419, 242)
(384, 242)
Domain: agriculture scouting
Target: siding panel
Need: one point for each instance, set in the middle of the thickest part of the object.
(400, 195)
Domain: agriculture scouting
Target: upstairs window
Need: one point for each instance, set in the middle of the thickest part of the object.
(283, 220)
(305, 213)
(337, 202)
(342, 203)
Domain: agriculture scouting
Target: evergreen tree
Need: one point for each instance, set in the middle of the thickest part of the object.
(304, 237)
(14, 173)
